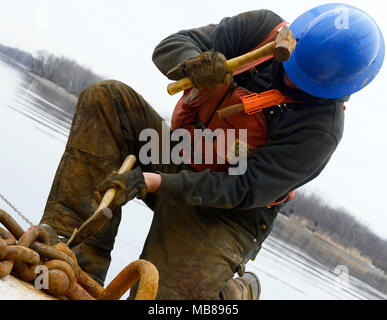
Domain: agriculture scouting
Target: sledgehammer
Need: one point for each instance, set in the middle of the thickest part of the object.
(102, 214)
(281, 48)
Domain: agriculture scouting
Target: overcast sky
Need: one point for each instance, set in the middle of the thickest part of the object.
(116, 39)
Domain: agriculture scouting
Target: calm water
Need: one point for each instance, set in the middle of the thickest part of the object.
(33, 131)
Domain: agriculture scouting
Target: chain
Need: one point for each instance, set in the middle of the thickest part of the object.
(22, 257)
(21, 215)
(28, 221)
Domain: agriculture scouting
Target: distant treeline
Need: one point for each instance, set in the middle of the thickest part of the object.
(340, 226)
(62, 71)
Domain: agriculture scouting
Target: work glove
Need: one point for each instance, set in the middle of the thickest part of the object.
(129, 185)
(205, 71)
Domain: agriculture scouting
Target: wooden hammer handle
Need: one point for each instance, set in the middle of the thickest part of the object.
(240, 61)
(106, 201)
(230, 111)
(231, 65)
(282, 48)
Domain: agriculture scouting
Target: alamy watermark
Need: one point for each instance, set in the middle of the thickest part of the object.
(342, 19)
(342, 277)
(41, 17)
(204, 146)
(42, 278)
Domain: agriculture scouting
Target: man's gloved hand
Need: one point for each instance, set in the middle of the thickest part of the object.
(129, 185)
(205, 71)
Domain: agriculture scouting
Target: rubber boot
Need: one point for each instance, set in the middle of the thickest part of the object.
(246, 287)
(251, 280)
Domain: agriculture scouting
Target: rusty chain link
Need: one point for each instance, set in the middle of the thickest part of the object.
(24, 251)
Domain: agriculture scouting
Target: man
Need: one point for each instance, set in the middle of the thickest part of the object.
(208, 224)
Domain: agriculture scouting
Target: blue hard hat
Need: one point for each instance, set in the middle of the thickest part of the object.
(340, 50)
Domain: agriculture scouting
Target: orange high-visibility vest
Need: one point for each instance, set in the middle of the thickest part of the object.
(197, 110)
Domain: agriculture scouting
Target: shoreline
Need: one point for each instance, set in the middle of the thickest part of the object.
(328, 253)
(52, 85)
(46, 82)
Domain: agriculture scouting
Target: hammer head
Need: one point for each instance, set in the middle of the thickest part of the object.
(90, 227)
(285, 43)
